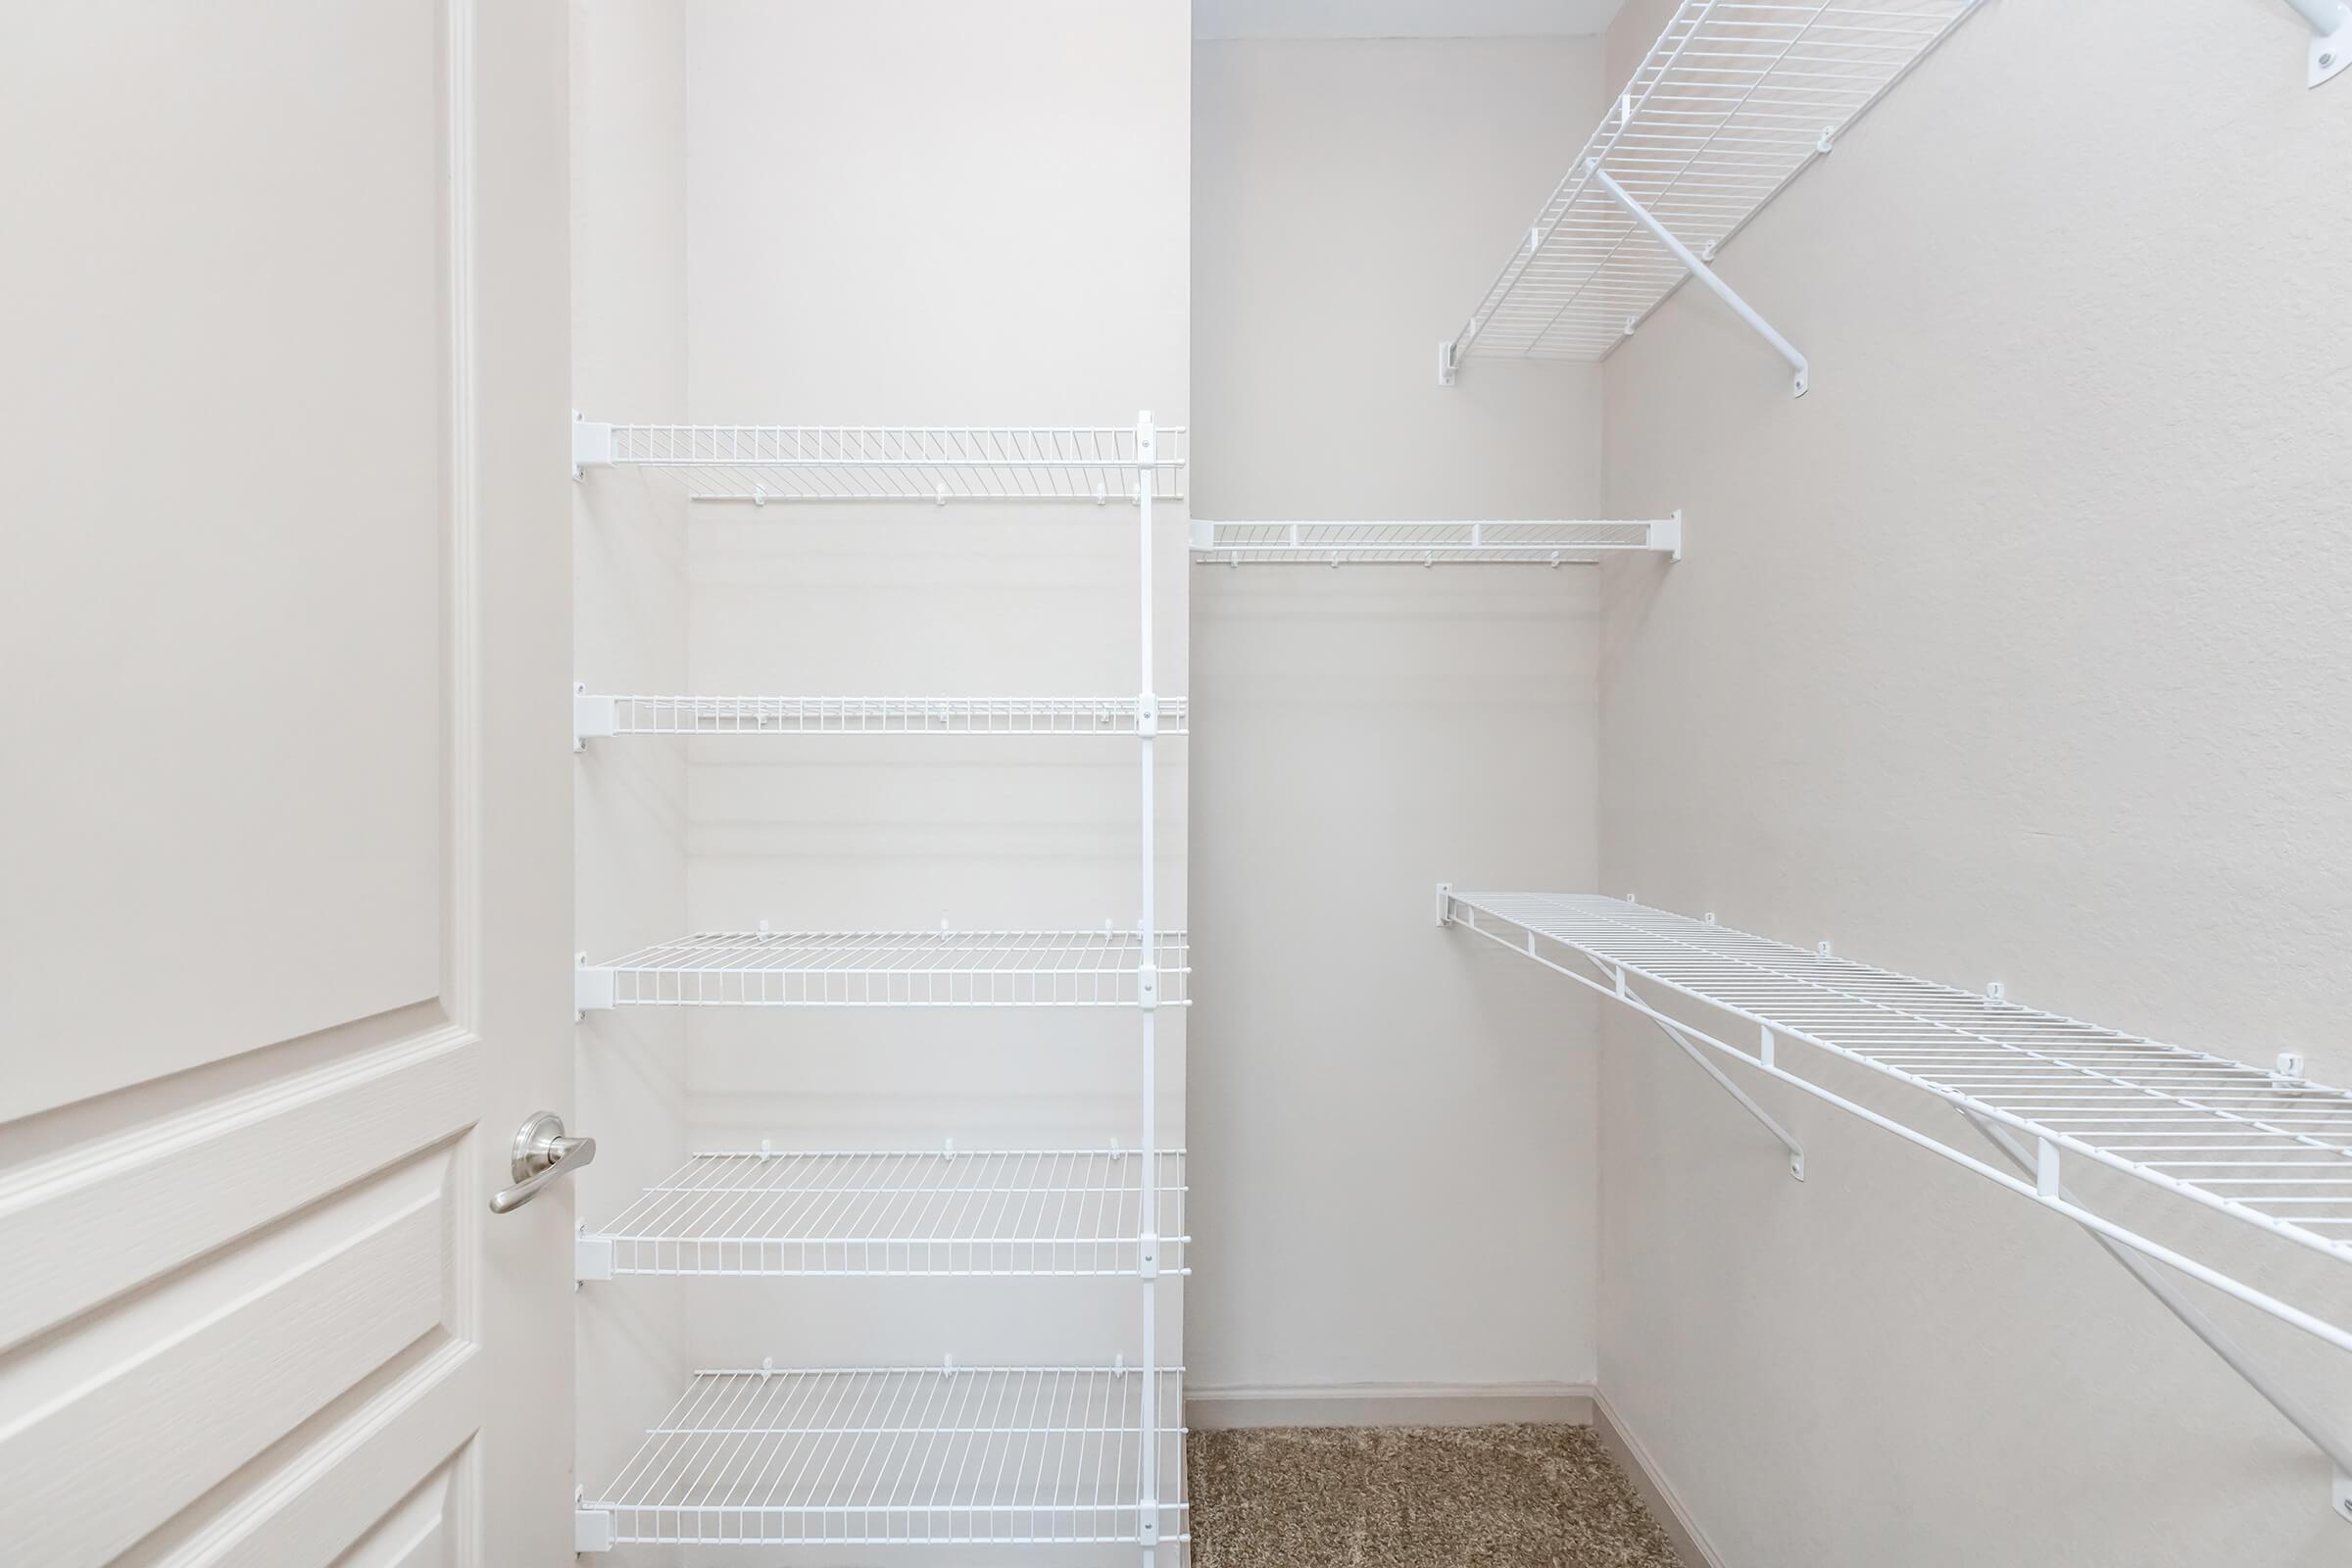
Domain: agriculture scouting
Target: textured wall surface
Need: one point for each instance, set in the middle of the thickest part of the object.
(1392, 1131)
(2014, 651)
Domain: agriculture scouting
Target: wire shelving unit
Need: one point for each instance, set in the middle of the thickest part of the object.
(1430, 543)
(891, 1456)
(873, 1456)
(763, 463)
(1733, 102)
(1097, 968)
(2051, 1095)
(767, 1214)
(597, 717)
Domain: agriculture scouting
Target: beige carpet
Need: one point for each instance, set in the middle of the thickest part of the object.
(1515, 1496)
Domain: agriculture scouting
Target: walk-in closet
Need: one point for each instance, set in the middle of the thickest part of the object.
(1177, 784)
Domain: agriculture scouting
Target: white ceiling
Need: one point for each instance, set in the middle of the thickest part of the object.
(1399, 19)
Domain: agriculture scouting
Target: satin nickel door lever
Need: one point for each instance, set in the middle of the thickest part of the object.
(542, 1154)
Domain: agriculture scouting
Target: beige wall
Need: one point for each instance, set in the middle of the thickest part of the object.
(925, 212)
(1392, 1134)
(2014, 651)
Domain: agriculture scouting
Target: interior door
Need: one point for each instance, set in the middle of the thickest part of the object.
(285, 786)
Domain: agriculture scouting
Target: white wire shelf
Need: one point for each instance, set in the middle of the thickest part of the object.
(763, 462)
(898, 1212)
(1429, 544)
(1733, 102)
(1099, 968)
(900, 1456)
(2258, 1146)
(595, 715)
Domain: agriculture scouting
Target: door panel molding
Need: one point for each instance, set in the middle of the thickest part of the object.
(335, 1484)
(169, 1193)
(234, 1357)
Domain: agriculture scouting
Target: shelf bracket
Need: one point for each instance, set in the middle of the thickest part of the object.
(1706, 275)
(1444, 904)
(591, 987)
(591, 1530)
(592, 718)
(1787, 1139)
(591, 445)
(1666, 535)
(2330, 36)
(591, 1258)
(1449, 368)
(2298, 1415)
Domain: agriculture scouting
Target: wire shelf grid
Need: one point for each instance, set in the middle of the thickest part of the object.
(1732, 102)
(901, 1212)
(1099, 968)
(763, 463)
(884, 716)
(1425, 544)
(902, 1455)
(2244, 1140)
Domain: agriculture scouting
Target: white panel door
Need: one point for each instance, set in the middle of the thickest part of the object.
(286, 784)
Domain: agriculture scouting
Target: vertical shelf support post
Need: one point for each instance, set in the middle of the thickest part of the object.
(1706, 275)
(1147, 1525)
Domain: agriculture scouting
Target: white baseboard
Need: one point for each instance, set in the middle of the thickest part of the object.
(1386, 1404)
(1664, 1506)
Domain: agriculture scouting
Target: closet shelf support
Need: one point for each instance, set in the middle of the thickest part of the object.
(1705, 274)
(2217, 1340)
(591, 445)
(1673, 1032)
(2330, 36)
(591, 1530)
(592, 717)
(1613, 983)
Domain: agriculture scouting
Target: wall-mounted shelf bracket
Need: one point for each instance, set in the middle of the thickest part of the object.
(2042, 1164)
(2330, 36)
(591, 987)
(1666, 534)
(1787, 1139)
(592, 718)
(1613, 982)
(1446, 366)
(1705, 274)
(591, 1257)
(591, 445)
(591, 1530)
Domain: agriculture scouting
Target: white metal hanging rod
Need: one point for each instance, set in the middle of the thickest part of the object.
(1706, 275)
(2331, 36)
